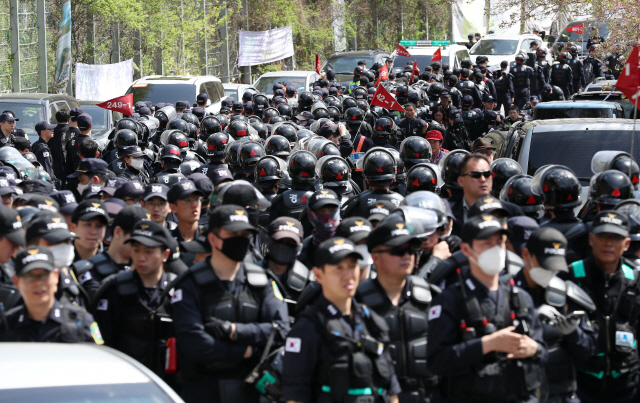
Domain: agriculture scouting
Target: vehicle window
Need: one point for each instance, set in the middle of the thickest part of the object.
(156, 92)
(231, 93)
(52, 113)
(212, 91)
(343, 64)
(118, 393)
(565, 113)
(423, 61)
(29, 115)
(559, 148)
(98, 116)
(219, 87)
(525, 46)
(265, 84)
(626, 104)
(495, 47)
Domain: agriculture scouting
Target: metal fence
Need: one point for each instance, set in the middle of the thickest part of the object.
(5, 47)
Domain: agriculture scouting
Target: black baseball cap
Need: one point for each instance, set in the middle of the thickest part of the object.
(392, 233)
(202, 98)
(354, 228)
(286, 227)
(7, 186)
(456, 116)
(128, 216)
(50, 226)
(32, 258)
(230, 217)
(144, 111)
(379, 210)
(549, 246)
(11, 225)
(482, 143)
(149, 234)
(200, 243)
(487, 205)
(37, 186)
(328, 129)
(31, 157)
(46, 203)
(220, 175)
(611, 222)
(244, 194)
(323, 198)
(112, 185)
(7, 117)
(133, 151)
(92, 191)
(155, 190)
(66, 200)
(203, 183)
(129, 189)
(182, 105)
(335, 250)
(75, 112)
(182, 190)
(237, 107)
(521, 228)
(84, 121)
(92, 165)
(44, 125)
(481, 227)
(90, 209)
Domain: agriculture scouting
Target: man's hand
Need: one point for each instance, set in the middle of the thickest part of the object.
(248, 353)
(504, 340)
(219, 329)
(441, 250)
(342, 130)
(528, 348)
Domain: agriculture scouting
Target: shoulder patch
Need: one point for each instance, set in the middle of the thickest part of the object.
(103, 305)
(84, 277)
(435, 311)
(176, 296)
(95, 333)
(45, 154)
(276, 291)
(293, 345)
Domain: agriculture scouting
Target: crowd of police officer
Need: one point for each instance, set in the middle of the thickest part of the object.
(311, 247)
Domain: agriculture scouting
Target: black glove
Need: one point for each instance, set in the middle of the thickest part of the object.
(219, 329)
(453, 242)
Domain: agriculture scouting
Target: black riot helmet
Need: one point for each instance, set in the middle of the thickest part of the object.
(302, 165)
(238, 129)
(231, 153)
(572, 49)
(320, 113)
(379, 165)
(564, 57)
(501, 170)
(278, 146)
(248, 154)
(288, 132)
(268, 168)
(329, 148)
(217, 144)
(558, 186)
(171, 152)
(261, 128)
(190, 118)
(384, 126)
(125, 138)
(415, 150)
(435, 89)
(269, 113)
(224, 121)
(334, 172)
(305, 101)
(348, 102)
(260, 103)
(360, 93)
(192, 132)
(285, 110)
(401, 172)
(610, 187)
(127, 124)
(279, 101)
(450, 168)
(277, 119)
(178, 124)
(353, 117)
(304, 133)
(421, 177)
(541, 54)
(334, 114)
(179, 140)
(362, 104)
(519, 58)
(619, 161)
(403, 92)
(210, 125)
(242, 118)
(517, 190)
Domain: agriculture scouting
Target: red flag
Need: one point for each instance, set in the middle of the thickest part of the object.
(383, 74)
(401, 51)
(415, 71)
(629, 80)
(576, 29)
(123, 104)
(384, 99)
(317, 64)
(437, 56)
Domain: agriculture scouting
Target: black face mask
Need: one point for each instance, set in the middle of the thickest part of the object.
(254, 216)
(282, 253)
(235, 248)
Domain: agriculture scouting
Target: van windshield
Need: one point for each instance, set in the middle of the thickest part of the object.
(163, 93)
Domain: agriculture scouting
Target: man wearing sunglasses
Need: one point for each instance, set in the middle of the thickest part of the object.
(396, 294)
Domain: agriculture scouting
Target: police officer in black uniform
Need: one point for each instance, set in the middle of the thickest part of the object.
(85, 123)
(292, 202)
(541, 62)
(7, 128)
(41, 148)
(170, 158)
(483, 334)
(562, 75)
(336, 351)
(577, 67)
(132, 306)
(523, 75)
(457, 136)
(470, 44)
(223, 311)
(468, 87)
(552, 93)
(134, 162)
(611, 374)
(411, 125)
(42, 318)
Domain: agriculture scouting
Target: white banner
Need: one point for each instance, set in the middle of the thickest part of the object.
(265, 46)
(468, 18)
(99, 82)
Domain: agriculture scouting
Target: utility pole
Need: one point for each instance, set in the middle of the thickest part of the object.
(247, 69)
(15, 46)
(42, 47)
(224, 36)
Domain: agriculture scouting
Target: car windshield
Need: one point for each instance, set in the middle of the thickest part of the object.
(343, 64)
(231, 93)
(567, 36)
(495, 47)
(562, 113)
(423, 61)
(165, 93)
(627, 106)
(99, 116)
(265, 84)
(117, 393)
(560, 148)
(29, 115)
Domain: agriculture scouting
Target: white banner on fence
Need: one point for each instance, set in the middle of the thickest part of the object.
(99, 82)
(265, 46)
(468, 18)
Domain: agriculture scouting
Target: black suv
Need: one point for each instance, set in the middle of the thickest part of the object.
(345, 61)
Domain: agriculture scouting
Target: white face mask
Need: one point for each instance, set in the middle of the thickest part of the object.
(137, 163)
(63, 254)
(491, 261)
(541, 276)
(81, 188)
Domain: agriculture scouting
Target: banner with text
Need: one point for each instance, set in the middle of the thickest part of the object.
(99, 82)
(265, 46)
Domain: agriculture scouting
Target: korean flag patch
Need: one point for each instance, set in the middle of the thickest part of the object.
(293, 345)
(435, 311)
(176, 296)
(103, 305)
